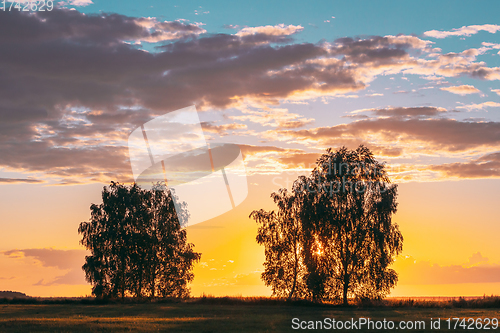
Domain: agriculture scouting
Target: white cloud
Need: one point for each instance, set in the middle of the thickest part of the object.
(167, 30)
(81, 2)
(277, 30)
(463, 31)
(196, 12)
(462, 90)
(480, 106)
(78, 3)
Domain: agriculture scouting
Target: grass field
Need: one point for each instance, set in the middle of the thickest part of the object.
(211, 316)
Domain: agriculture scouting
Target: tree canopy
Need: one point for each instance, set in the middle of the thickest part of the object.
(137, 245)
(333, 235)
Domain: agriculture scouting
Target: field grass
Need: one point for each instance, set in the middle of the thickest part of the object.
(212, 315)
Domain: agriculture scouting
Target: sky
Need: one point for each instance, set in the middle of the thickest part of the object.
(416, 82)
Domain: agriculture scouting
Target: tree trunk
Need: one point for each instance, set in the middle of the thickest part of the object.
(153, 283)
(346, 287)
(293, 286)
(294, 273)
(123, 276)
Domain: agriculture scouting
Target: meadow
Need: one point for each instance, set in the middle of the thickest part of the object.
(226, 314)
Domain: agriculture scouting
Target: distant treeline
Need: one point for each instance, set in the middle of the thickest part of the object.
(460, 302)
(12, 294)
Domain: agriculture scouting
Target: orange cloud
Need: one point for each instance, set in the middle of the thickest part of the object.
(272, 117)
(70, 261)
(477, 270)
(167, 30)
(277, 30)
(398, 128)
(74, 125)
(221, 130)
(487, 166)
(479, 106)
(462, 90)
(19, 180)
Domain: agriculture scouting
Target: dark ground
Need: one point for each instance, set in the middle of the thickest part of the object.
(211, 316)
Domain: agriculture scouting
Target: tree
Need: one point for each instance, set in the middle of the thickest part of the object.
(137, 245)
(343, 211)
(281, 234)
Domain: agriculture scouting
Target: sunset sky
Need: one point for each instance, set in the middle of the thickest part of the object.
(416, 82)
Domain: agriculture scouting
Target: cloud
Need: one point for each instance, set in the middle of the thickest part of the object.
(462, 90)
(277, 30)
(272, 117)
(66, 260)
(73, 86)
(273, 160)
(20, 180)
(378, 47)
(378, 55)
(463, 31)
(167, 30)
(423, 272)
(391, 132)
(63, 24)
(477, 258)
(487, 166)
(221, 130)
(73, 277)
(73, 118)
(199, 12)
(479, 106)
(231, 26)
(294, 123)
(496, 91)
(69, 164)
(245, 279)
(454, 65)
(249, 150)
(62, 259)
(423, 111)
(299, 160)
(78, 3)
(413, 133)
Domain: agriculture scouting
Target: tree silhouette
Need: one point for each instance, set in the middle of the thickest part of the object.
(342, 212)
(137, 245)
(281, 233)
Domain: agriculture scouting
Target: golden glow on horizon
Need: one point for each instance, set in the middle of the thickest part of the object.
(443, 224)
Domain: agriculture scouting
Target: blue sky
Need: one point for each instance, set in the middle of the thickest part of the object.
(352, 18)
(323, 24)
